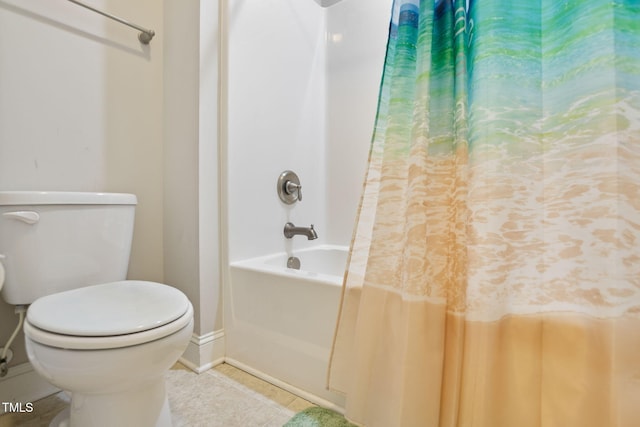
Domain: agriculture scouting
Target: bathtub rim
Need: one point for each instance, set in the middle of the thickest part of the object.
(259, 264)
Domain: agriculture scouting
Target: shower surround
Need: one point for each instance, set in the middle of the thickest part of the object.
(302, 92)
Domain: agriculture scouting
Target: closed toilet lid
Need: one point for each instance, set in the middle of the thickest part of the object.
(109, 309)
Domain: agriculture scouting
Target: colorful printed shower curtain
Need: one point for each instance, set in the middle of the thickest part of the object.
(494, 278)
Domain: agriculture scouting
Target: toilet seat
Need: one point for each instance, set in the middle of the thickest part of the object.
(110, 315)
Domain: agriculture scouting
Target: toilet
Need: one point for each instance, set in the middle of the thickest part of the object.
(105, 340)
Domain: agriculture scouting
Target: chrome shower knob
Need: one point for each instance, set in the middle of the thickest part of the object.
(289, 188)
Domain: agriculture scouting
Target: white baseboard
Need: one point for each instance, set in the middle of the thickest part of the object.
(204, 351)
(23, 384)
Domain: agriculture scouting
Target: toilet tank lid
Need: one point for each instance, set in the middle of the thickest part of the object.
(9, 198)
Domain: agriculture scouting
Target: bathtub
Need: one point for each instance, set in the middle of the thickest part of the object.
(280, 321)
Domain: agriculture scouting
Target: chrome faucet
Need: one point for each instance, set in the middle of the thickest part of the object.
(291, 230)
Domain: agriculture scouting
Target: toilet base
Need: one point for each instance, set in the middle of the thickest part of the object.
(62, 419)
(136, 408)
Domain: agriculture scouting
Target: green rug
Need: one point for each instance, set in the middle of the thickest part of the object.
(318, 417)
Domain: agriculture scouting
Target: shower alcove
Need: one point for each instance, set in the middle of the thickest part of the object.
(302, 81)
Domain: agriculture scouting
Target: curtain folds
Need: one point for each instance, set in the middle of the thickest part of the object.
(494, 276)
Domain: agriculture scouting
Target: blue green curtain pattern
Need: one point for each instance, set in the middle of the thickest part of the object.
(494, 277)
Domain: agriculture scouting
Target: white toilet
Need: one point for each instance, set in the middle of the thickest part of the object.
(105, 340)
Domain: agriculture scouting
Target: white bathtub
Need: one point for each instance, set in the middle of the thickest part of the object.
(281, 321)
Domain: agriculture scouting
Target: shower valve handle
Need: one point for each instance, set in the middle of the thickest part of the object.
(289, 188)
(292, 187)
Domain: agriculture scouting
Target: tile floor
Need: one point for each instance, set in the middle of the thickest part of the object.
(220, 397)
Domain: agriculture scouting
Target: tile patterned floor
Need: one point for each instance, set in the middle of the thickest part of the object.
(221, 397)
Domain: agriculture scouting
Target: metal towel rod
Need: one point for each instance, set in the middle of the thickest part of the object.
(145, 35)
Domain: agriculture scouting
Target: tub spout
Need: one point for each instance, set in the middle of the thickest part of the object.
(291, 230)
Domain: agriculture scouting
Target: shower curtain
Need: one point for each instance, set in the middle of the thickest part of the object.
(494, 276)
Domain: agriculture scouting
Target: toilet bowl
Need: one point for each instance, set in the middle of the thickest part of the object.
(110, 345)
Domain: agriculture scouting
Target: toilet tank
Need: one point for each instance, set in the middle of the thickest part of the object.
(56, 241)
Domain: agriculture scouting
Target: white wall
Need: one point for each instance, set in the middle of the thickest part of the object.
(357, 32)
(303, 84)
(276, 98)
(81, 109)
(191, 227)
